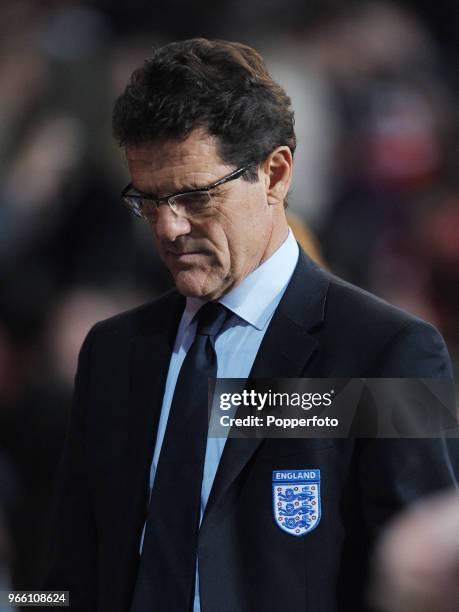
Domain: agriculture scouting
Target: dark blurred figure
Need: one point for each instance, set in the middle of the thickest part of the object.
(417, 562)
(32, 424)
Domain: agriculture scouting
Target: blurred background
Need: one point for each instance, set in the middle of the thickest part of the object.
(376, 191)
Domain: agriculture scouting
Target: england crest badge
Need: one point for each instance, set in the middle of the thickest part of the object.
(296, 500)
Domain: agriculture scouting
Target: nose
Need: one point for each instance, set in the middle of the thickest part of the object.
(169, 226)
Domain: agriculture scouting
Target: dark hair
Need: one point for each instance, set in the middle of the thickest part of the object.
(218, 85)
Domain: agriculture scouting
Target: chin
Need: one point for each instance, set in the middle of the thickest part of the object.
(191, 285)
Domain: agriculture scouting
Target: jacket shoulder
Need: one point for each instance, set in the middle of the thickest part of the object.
(388, 341)
(352, 305)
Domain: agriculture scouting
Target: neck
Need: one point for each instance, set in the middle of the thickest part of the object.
(278, 236)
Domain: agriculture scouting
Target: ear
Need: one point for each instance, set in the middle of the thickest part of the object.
(277, 170)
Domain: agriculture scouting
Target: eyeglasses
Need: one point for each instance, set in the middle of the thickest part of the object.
(190, 203)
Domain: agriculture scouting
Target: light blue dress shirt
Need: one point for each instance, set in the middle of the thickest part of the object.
(254, 301)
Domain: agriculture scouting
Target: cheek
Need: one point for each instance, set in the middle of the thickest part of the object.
(244, 240)
(218, 239)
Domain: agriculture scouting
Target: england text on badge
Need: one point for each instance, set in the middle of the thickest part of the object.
(296, 500)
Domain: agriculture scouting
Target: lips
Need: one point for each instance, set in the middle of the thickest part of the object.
(184, 256)
(183, 253)
(180, 253)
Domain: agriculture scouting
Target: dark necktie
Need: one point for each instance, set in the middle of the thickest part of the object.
(166, 576)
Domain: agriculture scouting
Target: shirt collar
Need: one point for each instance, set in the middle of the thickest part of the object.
(255, 299)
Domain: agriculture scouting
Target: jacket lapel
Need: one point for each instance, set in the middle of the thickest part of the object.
(150, 356)
(284, 353)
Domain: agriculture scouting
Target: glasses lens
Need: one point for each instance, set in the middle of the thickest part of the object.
(191, 204)
(141, 207)
(149, 208)
(133, 204)
(185, 204)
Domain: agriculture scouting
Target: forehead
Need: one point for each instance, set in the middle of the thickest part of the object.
(172, 164)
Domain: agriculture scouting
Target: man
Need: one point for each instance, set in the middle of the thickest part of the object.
(209, 142)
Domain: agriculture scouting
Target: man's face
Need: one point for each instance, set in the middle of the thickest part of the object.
(211, 253)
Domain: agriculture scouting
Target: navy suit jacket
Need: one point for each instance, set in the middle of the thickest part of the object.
(323, 327)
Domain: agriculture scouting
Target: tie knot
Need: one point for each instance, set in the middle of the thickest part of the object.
(211, 317)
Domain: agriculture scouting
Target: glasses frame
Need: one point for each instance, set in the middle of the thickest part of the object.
(150, 196)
